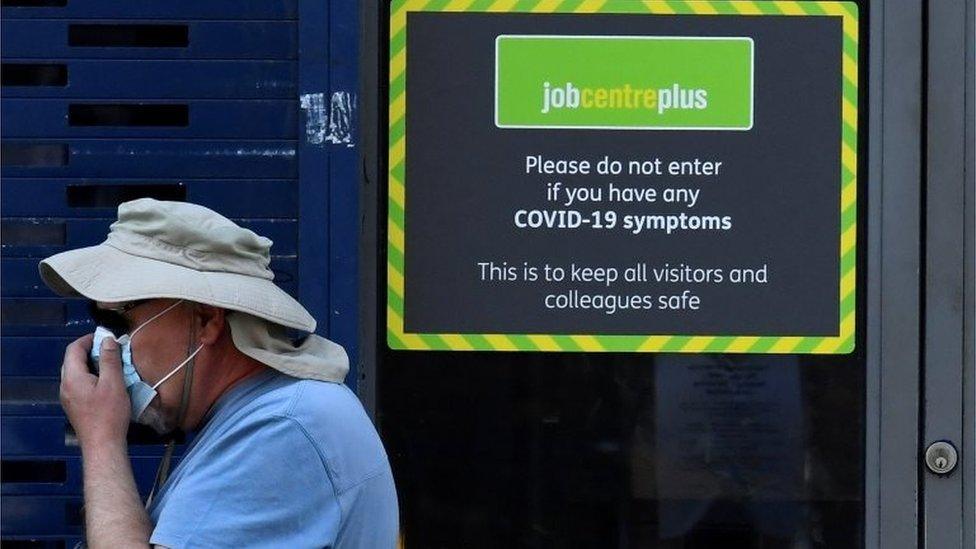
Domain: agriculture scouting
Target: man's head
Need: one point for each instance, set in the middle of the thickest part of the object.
(195, 294)
(167, 345)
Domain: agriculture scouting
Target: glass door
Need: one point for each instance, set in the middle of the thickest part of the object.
(511, 427)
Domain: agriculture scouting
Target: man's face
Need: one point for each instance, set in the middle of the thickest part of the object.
(157, 348)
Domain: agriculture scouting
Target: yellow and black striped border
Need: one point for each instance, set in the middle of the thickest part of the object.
(843, 343)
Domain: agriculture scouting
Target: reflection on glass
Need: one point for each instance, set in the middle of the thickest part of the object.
(728, 446)
(622, 451)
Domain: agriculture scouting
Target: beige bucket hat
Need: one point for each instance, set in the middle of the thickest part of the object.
(160, 249)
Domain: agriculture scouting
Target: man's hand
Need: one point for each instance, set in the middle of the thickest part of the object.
(96, 406)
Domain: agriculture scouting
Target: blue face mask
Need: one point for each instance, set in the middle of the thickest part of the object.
(141, 394)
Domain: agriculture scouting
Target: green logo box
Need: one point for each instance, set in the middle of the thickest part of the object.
(624, 82)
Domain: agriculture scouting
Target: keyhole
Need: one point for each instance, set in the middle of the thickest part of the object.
(940, 457)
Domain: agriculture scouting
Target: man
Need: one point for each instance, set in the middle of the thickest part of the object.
(192, 336)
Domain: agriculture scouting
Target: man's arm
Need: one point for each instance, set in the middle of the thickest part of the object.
(114, 515)
(98, 408)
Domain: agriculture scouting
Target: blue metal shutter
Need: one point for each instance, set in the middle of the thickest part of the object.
(246, 107)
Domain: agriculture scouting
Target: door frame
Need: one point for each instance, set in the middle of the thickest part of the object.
(894, 221)
(947, 305)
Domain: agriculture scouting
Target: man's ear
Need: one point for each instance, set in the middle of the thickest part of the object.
(210, 323)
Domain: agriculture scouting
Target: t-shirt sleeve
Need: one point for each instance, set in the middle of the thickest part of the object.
(263, 485)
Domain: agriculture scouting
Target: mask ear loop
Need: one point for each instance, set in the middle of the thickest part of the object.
(162, 474)
(154, 317)
(177, 369)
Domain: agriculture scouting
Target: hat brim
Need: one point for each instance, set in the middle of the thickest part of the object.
(104, 273)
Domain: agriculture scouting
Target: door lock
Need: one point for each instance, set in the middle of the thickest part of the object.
(941, 457)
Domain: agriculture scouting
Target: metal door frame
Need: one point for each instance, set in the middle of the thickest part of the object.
(947, 305)
(891, 448)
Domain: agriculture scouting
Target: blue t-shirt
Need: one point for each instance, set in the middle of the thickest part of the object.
(280, 462)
